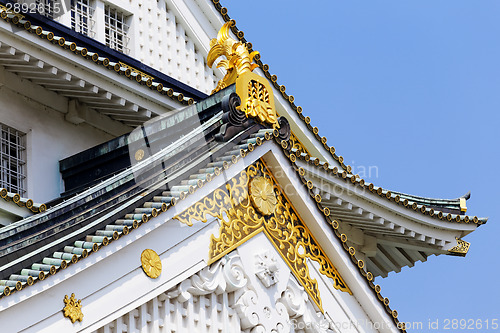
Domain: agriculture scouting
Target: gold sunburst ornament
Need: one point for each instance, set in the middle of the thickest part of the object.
(151, 263)
(262, 195)
(73, 308)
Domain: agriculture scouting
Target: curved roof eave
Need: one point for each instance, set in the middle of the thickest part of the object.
(417, 203)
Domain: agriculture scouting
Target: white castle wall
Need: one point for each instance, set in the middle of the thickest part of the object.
(160, 40)
(50, 138)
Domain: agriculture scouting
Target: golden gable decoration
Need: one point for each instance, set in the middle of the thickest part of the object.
(460, 249)
(151, 263)
(252, 202)
(262, 195)
(255, 92)
(73, 308)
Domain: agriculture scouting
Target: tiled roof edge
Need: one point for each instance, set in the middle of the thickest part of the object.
(5, 290)
(315, 131)
(7, 287)
(22, 202)
(351, 251)
(281, 88)
(110, 59)
(144, 218)
(389, 195)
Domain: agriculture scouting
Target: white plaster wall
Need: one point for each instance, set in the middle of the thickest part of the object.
(171, 36)
(50, 138)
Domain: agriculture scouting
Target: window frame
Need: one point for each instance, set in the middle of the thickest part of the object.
(13, 160)
(116, 29)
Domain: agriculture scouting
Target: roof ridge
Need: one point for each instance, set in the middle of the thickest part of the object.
(347, 169)
(428, 198)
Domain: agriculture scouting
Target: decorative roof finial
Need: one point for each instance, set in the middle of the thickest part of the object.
(238, 60)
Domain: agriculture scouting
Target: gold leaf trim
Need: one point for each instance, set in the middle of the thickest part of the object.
(460, 249)
(296, 144)
(135, 70)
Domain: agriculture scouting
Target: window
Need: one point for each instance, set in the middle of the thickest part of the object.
(116, 30)
(47, 8)
(12, 160)
(81, 17)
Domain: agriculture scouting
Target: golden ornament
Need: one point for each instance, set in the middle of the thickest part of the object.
(262, 195)
(238, 59)
(73, 308)
(151, 263)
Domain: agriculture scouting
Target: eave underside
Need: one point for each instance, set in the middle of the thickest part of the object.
(389, 236)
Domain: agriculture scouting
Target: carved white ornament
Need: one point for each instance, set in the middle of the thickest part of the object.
(222, 298)
(266, 268)
(226, 275)
(303, 315)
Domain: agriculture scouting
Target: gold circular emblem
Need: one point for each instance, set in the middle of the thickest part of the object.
(262, 195)
(139, 155)
(151, 263)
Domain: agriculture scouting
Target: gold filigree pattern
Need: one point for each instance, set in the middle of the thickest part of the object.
(73, 308)
(151, 263)
(238, 59)
(232, 205)
(296, 144)
(460, 249)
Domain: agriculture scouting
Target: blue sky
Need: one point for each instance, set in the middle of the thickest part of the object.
(412, 88)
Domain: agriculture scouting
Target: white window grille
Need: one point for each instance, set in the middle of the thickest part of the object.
(12, 160)
(81, 17)
(116, 30)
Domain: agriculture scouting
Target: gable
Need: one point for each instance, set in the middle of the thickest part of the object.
(116, 273)
(331, 259)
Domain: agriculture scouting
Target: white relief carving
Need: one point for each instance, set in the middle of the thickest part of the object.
(223, 298)
(256, 318)
(303, 315)
(226, 275)
(266, 268)
(245, 309)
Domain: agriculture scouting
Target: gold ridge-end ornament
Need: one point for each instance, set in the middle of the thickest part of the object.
(151, 263)
(255, 92)
(262, 195)
(73, 308)
(257, 100)
(238, 59)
